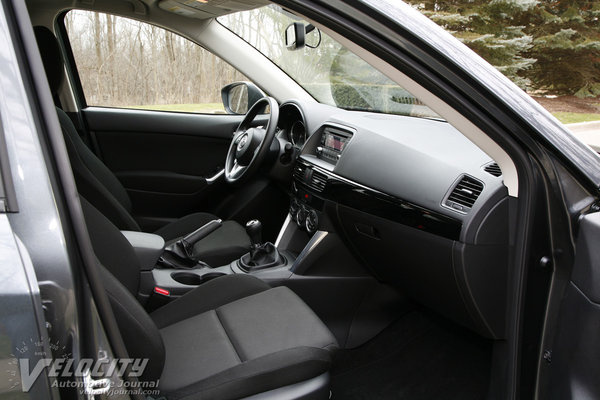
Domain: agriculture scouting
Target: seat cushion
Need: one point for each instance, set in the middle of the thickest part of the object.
(261, 341)
(222, 246)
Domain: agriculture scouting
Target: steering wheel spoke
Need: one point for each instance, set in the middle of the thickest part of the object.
(236, 169)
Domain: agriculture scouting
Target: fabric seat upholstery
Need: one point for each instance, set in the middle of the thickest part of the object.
(96, 182)
(264, 341)
(232, 337)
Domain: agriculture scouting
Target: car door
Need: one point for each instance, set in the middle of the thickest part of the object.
(153, 111)
(570, 362)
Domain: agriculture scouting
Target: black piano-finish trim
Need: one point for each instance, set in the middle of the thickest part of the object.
(371, 201)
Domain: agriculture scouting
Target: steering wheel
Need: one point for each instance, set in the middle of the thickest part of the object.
(250, 145)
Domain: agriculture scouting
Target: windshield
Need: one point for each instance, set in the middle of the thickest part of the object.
(330, 72)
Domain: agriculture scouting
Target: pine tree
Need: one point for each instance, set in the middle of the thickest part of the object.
(549, 45)
(491, 29)
(567, 47)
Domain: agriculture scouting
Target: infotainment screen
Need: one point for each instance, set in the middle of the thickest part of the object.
(335, 142)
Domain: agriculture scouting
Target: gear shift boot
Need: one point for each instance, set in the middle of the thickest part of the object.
(261, 257)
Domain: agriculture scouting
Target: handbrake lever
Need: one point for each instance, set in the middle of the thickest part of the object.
(189, 240)
(184, 247)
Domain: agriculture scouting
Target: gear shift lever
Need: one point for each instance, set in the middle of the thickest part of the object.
(254, 230)
(262, 255)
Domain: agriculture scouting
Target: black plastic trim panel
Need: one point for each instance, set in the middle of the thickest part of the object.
(345, 192)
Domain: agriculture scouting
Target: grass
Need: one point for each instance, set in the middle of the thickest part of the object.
(204, 108)
(571, 117)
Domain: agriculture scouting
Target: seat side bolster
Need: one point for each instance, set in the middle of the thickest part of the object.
(208, 296)
(141, 336)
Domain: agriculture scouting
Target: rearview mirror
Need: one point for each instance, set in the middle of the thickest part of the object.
(238, 97)
(294, 36)
(298, 35)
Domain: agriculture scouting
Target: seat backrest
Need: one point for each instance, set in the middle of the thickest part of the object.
(120, 277)
(94, 180)
(112, 249)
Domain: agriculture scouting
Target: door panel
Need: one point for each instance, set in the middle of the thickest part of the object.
(574, 358)
(189, 144)
(164, 159)
(218, 126)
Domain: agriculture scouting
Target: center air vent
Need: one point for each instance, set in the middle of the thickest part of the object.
(464, 194)
(299, 172)
(493, 169)
(318, 181)
(308, 176)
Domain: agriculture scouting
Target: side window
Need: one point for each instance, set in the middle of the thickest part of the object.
(130, 64)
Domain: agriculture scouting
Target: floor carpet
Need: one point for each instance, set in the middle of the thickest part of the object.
(418, 357)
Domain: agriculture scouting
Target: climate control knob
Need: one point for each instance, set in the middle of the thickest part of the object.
(312, 221)
(294, 207)
(301, 217)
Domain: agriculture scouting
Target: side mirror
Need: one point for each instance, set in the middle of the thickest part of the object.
(238, 97)
(298, 35)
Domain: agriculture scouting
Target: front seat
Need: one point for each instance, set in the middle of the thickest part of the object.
(98, 184)
(230, 338)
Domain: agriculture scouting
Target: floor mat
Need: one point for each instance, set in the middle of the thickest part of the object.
(418, 357)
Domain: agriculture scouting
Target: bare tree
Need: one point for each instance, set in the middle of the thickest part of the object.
(122, 62)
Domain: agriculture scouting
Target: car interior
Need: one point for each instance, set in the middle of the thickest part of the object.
(296, 249)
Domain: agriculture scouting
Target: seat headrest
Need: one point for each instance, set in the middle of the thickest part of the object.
(51, 57)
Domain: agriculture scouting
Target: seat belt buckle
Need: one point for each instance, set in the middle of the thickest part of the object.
(158, 298)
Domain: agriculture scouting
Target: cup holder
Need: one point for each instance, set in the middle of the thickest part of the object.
(192, 279)
(211, 275)
(187, 278)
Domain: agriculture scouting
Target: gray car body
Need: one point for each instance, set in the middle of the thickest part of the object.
(37, 291)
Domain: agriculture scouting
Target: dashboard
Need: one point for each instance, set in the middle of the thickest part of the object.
(421, 206)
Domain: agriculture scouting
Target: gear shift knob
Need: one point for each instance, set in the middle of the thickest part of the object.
(254, 230)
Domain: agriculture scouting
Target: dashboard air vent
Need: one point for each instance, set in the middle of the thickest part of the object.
(299, 172)
(493, 169)
(318, 181)
(464, 194)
